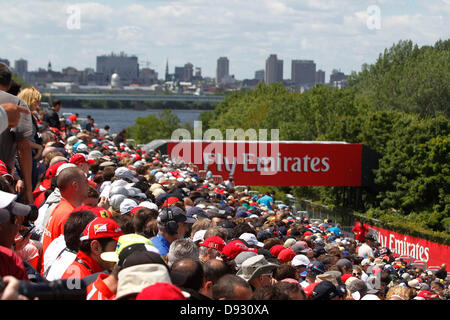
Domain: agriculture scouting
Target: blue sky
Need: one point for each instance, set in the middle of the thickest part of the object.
(333, 33)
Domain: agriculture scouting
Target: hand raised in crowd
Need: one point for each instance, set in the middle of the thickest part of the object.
(14, 112)
(103, 203)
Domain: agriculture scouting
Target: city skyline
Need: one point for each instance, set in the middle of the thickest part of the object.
(335, 34)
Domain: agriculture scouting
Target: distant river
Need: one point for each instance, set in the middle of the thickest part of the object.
(119, 119)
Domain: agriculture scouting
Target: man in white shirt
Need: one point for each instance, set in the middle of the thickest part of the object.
(62, 251)
(365, 250)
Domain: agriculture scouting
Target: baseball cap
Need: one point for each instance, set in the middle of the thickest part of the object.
(161, 291)
(199, 235)
(233, 248)
(9, 205)
(276, 249)
(94, 155)
(125, 173)
(177, 215)
(251, 240)
(286, 255)
(81, 147)
(300, 260)
(80, 158)
(127, 205)
(127, 244)
(326, 290)
(101, 228)
(98, 211)
(169, 201)
(316, 266)
(427, 295)
(213, 242)
(64, 166)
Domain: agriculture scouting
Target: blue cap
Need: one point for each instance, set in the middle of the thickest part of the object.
(317, 267)
(242, 213)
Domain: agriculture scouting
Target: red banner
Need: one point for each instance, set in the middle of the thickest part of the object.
(282, 163)
(433, 254)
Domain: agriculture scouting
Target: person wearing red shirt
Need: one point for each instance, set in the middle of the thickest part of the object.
(74, 187)
(99, 236)
(360, 231)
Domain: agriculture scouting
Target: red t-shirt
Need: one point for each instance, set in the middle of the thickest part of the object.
(98, 290)
(83, 266)
(55, 223)
(360, 233)
(11, 264)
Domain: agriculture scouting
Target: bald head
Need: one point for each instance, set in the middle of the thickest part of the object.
(73, 185)
(187, 273)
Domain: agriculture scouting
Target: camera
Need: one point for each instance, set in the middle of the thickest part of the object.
(63, 289)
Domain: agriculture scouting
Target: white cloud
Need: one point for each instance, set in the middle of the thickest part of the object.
(332, 32)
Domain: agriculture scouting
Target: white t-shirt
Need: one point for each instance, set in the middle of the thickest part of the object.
(57, 259)
(365, 251)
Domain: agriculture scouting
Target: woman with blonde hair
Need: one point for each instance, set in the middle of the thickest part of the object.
(32, 97)
(399, 293)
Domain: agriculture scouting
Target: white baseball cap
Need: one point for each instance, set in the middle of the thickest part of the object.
(251, 240)
(127, 205)
(300, 260)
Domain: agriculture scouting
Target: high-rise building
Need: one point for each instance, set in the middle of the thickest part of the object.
(188, 72)
(337, 75)
(179, 74)
(259, 75)
(126, 67)
(198, 72)
(320, 76)
(223, 69)
(303, 72)
(274, 70)
(167, 75)
(21, 67)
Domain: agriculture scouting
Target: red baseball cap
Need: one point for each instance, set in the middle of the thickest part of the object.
(51, 171)
(345, 277)
(307, 233)
(214, 242)
(310, 288)
(161, 291)
(286, 255)
(102, 228)
(98, 211)
(233, 248)
(80, 158)
(101, 212)
(276, 249)
(427, 294)
(170, 201)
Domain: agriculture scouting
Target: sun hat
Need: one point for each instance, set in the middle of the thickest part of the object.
(254, 267)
